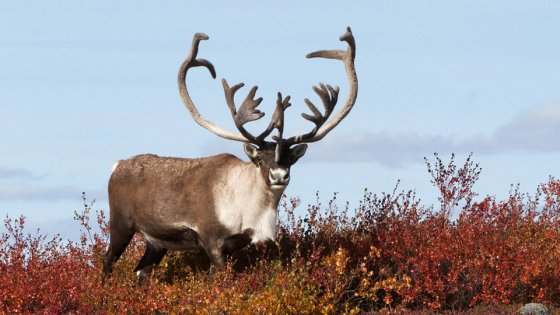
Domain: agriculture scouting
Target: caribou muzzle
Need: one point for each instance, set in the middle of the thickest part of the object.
(279, 177)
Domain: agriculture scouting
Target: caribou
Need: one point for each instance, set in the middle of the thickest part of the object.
(217, 204)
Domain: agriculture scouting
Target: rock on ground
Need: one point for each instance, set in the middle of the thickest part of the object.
(535, 309)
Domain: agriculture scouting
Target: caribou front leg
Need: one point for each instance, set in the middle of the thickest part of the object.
(217, 261)
(211, 247)
(237, 241)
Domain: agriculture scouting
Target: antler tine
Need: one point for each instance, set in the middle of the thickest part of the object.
(230, 93)
(190, 62)
(329, 95)
(201, 61)
(338, 54)
(277, 120)
(247, 111)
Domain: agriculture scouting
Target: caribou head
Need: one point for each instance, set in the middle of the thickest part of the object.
(217, 204)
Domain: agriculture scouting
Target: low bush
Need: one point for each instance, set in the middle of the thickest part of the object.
(467, 253)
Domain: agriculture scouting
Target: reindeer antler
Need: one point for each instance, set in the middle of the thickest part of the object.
(329, 95)
(191, 62)
(248, 110)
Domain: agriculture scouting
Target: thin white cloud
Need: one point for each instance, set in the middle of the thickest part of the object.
(28, 192)
(17, 173)
(534, 130)
(384, 148)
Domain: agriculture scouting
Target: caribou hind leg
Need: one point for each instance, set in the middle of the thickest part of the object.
(152, 257)
(120, 237)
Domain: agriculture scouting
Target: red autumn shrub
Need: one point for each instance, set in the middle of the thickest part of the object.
(389, 252)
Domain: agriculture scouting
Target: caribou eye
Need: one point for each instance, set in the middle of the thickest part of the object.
(259, 161)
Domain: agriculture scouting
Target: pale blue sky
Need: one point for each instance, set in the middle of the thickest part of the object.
(85, 83)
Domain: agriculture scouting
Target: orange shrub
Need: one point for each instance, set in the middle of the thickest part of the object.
(390, 252)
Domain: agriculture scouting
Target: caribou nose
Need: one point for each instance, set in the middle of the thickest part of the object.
(279, 176)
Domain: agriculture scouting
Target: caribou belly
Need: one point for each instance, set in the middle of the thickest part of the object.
(180, 239)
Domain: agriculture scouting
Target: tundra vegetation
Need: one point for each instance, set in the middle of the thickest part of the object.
(391, 253)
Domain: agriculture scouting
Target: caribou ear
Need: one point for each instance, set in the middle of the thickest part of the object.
(297, 152)
(251, 150)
